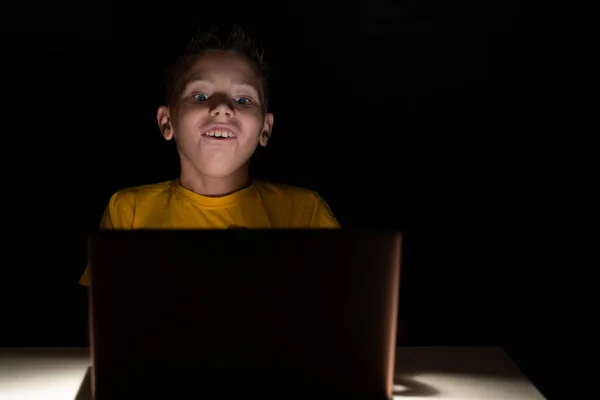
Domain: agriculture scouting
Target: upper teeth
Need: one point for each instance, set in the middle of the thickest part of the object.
(219, 133)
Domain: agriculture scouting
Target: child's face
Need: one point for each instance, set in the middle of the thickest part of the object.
(218, 119)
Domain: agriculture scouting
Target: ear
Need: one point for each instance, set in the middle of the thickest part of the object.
(267, 129)
(164, 122)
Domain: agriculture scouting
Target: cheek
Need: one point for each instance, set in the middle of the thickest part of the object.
(188, 122)
(252, 121)
(191, 114)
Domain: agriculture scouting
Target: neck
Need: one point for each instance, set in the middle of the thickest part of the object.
(214, 187)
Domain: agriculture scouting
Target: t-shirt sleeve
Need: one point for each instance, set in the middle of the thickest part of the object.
(118, 214)
(323, 216)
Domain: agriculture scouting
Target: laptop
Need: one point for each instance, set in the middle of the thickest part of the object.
(286, 314)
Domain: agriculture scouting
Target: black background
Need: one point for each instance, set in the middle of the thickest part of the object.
(468, 125)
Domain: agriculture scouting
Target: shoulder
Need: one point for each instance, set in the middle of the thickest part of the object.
(120, 211)
(287, 192)
(310, 205)
(136, 194)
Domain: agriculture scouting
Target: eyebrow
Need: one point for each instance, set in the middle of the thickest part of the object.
(200, 79)
(244, 83)
(235, 82)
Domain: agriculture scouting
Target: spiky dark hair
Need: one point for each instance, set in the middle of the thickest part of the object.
(218, 38)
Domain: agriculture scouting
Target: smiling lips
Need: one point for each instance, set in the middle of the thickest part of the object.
(219, 133)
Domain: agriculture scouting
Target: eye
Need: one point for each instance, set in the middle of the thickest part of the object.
(242, 100)
(200, 97)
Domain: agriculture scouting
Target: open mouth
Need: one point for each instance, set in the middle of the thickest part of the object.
(220, 134)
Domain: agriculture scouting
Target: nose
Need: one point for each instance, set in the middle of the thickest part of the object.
(221, 107)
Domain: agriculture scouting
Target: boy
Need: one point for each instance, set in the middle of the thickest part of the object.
(217, 114)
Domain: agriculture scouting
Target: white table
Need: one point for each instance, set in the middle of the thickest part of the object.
(442, 373)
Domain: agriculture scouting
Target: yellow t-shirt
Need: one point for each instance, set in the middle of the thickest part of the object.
(168, 205)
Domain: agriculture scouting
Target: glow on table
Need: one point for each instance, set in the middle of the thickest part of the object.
(444, 373)
(42, 373)
(460, 373)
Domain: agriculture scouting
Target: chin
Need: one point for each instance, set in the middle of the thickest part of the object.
(218, 171)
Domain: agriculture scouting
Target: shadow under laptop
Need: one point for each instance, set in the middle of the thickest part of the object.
(405, 386)
(191, 382)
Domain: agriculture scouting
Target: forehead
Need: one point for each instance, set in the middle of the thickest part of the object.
(223, 66)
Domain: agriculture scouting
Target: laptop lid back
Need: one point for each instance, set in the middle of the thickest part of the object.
(228, 313)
